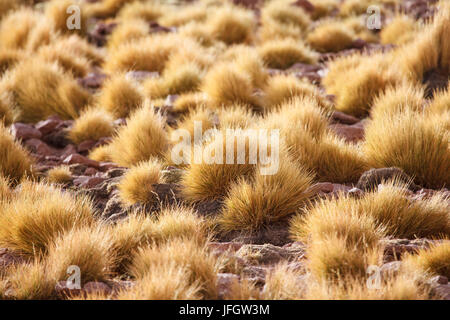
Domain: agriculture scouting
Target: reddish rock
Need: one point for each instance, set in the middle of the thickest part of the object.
(373, 177)
(78, 158)
(93, 80)
(350, 133)
(47, 126)
(93, 287)
(86, 145)
(340, 117)
(67, 151)
(90, 171)
(325, 187)
(442, 291)
(9, 258)
(106, 166)
(141, 75)
(225, 282)
(64, 291)
(87, 182)
(22, 131)
(39, 147)
(222, 247)
(437, 280)
(337, 187)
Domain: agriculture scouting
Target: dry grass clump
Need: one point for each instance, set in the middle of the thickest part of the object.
(64, 57)
(24, 21)
(235, 117)
(136, 186)
(195, 12)
(282, 54)
(141, 139)
(370, 77)
(79, 47)
(331, 36)
(356, 7)
(413, 143)
(128, 31)
(400, 30)
(89, 248)
(433, 260)
(250, 205)
(5, 188)
(323, 8)
(190, 101)
(147, 54)
(15, 162)
(231, 25)
(197, 31)
(398, 99)
(211, 179)
(225, 85)
(28, 281)
(166, 281)
(198, 264)
(101, 154)
(38, 89)
(177, 80)
(284, 283)
(248, 60)
(341, 240)
(60, 174)
(284, 13)
(302, 126)
(197, 122)
(281, 88)
(273, 30)
(140, 230)
(120, 96)
(38, 214)
(92, 124)
(404, 286)
(148, 11)
(107, 8)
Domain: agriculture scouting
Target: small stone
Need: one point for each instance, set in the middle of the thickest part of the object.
(22, 131)
(105, 166)
(86, 145)
(325, 187)
(350, 133)
(390, 269)
(64, 290)
(78, 158)
(141, 75)
(47, 126)
(343, 118)
(442, 291)
(222, 247)
(97, 287)
(39, 147)
(87, 182)
(370, 179)
(437, 280)
(90, 171)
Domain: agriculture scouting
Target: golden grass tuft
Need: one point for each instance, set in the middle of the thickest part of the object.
(440, 103)
(203, 180)
(281, 88)
(273, 30)
(128, 31)
(7, 114)
(79, 47)
(225, 85)
(284, 283)
(195, 12)
(107, 8)
(370, 77)
(24, 21)
(60, 174)
(433, 260)
(235, 117)
(89, 248)
(141, 139)
(331, 36)
(232, 25)
(9, 58)
(190, 101)
(15, 162)
(148, 11)
(398, 99)
(200, 117)
(198, 264)
(251, 205)
(136, 186)
(38, 89)
(101, 154)
(92, 124)
(400, 30)
(120, 96)
(77, 65)
(38, 214)
(285, 14)
(282, 54)
(177, 80)
(413, 143)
